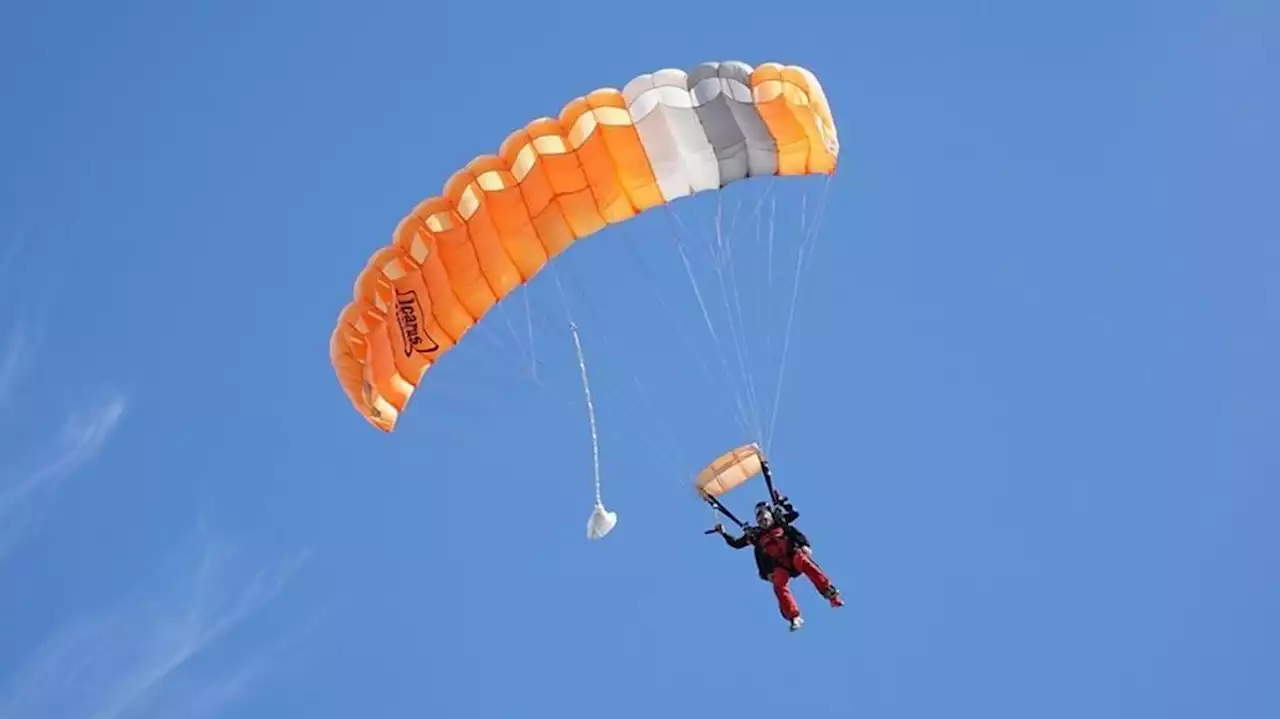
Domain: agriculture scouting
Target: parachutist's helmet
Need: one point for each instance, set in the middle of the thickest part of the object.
(764, 515)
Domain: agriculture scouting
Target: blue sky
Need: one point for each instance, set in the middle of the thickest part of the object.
(1028, 410)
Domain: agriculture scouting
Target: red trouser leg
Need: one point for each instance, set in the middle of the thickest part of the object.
(802, 562)
(786, 602)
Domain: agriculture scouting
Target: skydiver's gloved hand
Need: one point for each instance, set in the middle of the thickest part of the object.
(719, 528)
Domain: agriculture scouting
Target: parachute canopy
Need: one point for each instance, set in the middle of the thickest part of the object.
(605, 158)
(729, 470)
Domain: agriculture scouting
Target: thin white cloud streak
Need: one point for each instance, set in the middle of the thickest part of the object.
(18, 354)
(7, 260)
(142, 659)
(25, 491)
(207, 697)
(209, 694)
(84, 434)
(15, 352)
(22, 343)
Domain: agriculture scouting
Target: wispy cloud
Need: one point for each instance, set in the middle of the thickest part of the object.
(11, 363)
(151, 656)
(29, 479)
(158, 652)
(16, 357)
(9, 256)
(22, 499)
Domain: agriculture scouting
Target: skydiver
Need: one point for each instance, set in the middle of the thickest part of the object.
(782, 552)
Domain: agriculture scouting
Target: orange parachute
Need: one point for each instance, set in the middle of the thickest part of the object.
(608, 156)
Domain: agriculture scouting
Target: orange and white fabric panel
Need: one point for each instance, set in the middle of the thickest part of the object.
(605, 158)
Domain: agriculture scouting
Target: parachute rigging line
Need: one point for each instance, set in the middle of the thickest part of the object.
(533, 352)
(738, 332)
(808, 242)
(742, 416)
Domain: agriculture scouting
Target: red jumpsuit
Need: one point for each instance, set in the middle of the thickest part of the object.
(788, 560)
